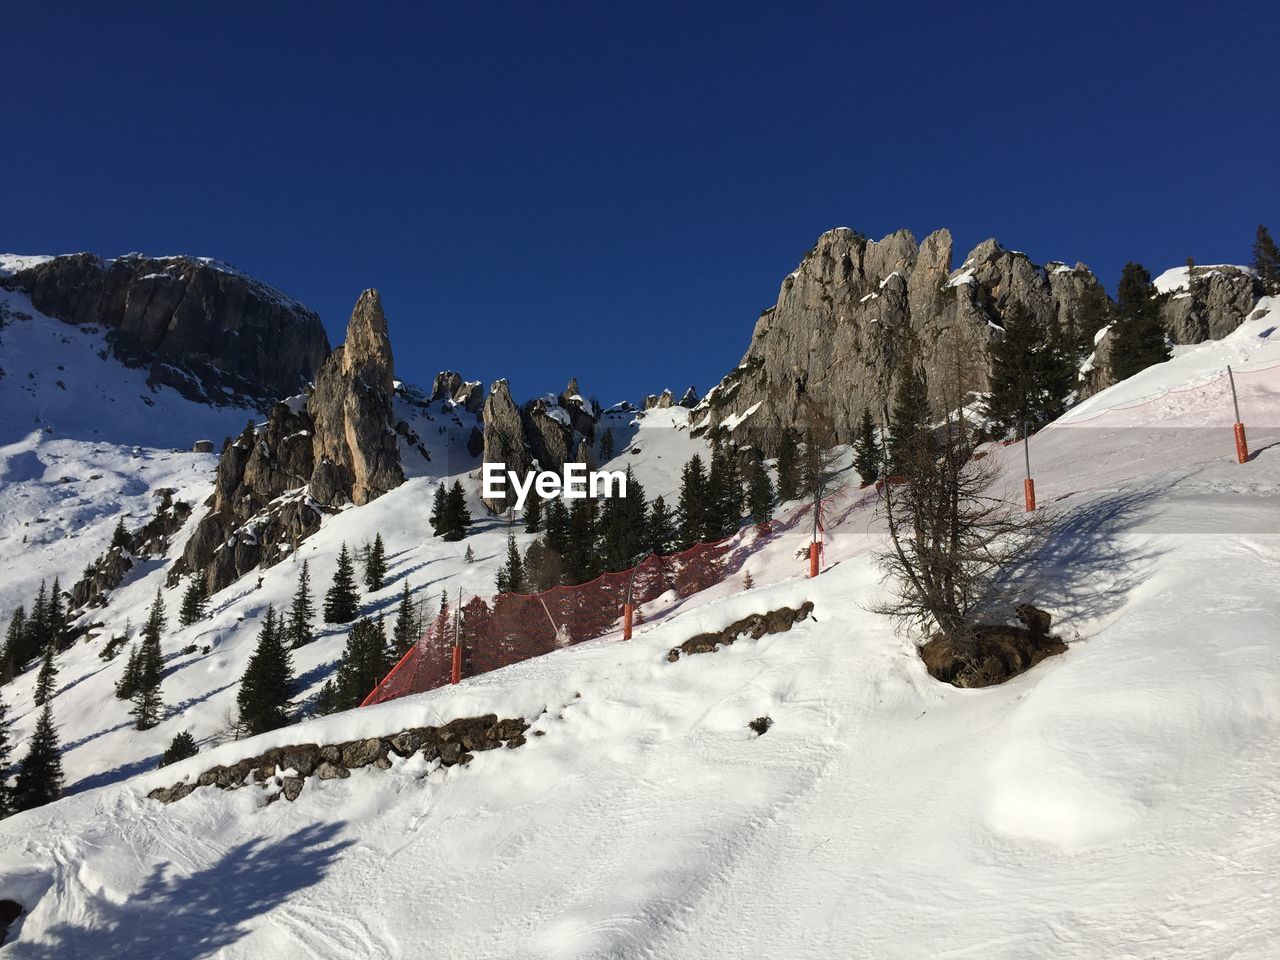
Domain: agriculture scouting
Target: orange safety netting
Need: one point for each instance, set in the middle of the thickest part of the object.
(503, 629)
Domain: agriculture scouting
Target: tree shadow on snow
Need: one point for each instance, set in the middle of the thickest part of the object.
(199, 914)
(1086, 567)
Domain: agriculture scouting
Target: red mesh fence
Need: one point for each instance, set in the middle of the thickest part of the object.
(507, 628)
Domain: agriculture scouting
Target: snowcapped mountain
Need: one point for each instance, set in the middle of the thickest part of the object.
(882, 814)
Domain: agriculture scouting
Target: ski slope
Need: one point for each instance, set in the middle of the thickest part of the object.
(1117, 801)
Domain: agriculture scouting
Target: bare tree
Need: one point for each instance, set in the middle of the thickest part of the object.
(950, 530)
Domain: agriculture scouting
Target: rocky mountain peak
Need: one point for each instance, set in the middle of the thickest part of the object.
(366, 353)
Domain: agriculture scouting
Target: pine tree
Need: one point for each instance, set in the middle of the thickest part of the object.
(582, 560)
(40, 775)
(866, 450)
(760, 496)
(456, 514)
(194, 602)
(910, 422)
(747, 581)
(35, 635)
(511, 574)
(542, 568)
(439, 505)
(146, 694)
(1030, 375)
(56, 615)
(120, 538)
(622, 527)
(724, 494)
(469, 556)
(660, 533)
(693, 508)
(405, 632)
(1138, 338)
(533, 514)
(342, 601)
(1095, 312)
(127, 685)
(299, 631)
(46, 678)
(788, 467)
(606, 446)
(267, 684)
(558, 528)
(364, 663)
(6, 762)
(375, 565)
(182, 746)
(13, 645)
(1266, 261)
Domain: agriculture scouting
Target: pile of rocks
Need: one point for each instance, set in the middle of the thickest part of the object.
(283, 770)
(756, 626)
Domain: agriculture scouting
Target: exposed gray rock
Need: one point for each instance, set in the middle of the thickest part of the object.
(470, 396)
(351, 406)
(291, 787)
(504, 440)
(550, 440)
(662, 401)
(446, 384)
(755, 626)
(1217, 300)
(204, 327)
(690, 398)
(332, 771)
(202, 446)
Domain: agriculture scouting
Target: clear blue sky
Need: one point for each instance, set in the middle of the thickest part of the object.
(615, 191)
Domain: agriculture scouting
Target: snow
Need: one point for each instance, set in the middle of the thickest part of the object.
(731, 422)
(1176, 278)
(1116, 801)
(11, 263)
(960, 279)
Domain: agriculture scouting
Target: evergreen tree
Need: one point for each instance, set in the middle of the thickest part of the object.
(375, 565)
(405, 632)
(46, 678)
(1030, 375)
(760, 496)
(40, 775)
(1138, 337)
(1095, 312)
(511, 574)
(14, 640)
(298, 631)
(542, 567)
(724, 494)
(6, 762)
(788, 467)
(470, 555)
(120, 537)
(146, 693)
(558, 530)
(456, 514)
(606, 446)
(194, 602)
(182, 746)
(693, 508)
(909, 425)
(57, 615)
(581, 560)
(36, 629)
(1266, 261)
(438, 508)
(660, 533)
(533, 514)
(342, 601)
(364, 663)
(622, 527)
(267, 684)
(127, 685)
(866, 450)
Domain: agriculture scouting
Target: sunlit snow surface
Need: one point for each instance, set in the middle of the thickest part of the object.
(1117, 801)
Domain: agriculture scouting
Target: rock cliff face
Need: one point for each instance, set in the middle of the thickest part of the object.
(314, 453)
(857, 313)
(206, 329)
(504, 440)
(351, 407)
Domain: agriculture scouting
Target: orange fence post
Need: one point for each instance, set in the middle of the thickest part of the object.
(457, 665)
(813, 558)
(1242, 445)
(628, 617)
(1029, 490)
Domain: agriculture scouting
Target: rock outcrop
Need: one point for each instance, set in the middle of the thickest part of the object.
(1211, 305)
(857, 313)
(504, 440)
(356, 452)
(207, 330)
(314, 453)
(755, 626)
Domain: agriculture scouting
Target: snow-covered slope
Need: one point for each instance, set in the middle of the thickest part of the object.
(1117, 801)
